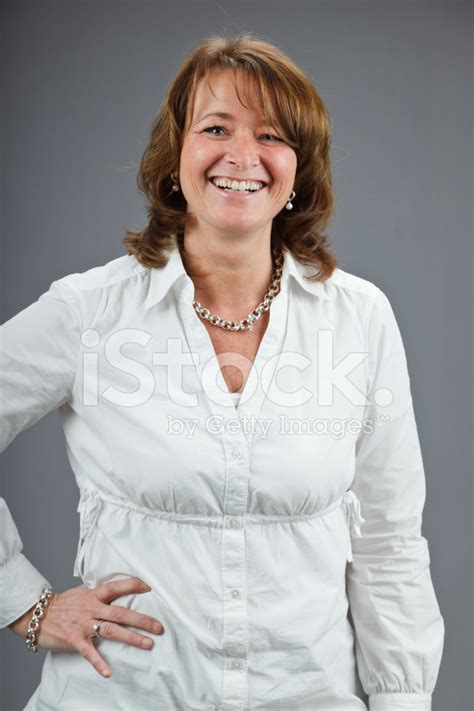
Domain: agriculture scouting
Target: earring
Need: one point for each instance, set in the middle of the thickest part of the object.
(175, 183)
(289, 204)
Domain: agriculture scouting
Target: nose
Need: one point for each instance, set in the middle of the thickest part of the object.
(243, 152)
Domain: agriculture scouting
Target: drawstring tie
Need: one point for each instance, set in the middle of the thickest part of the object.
(351, 506)
(89, 508)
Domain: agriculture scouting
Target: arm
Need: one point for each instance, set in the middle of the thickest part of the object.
(399, 630)
(38, 355)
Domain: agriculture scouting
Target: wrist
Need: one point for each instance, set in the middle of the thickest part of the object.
(20, 625)
(28, 625)
(38, 613)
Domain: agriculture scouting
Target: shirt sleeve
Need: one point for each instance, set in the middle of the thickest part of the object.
(399, 631)
(38, 355)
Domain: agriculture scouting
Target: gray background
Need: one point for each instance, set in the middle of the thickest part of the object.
(81, 84)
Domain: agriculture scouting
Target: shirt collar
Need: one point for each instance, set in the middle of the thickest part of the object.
(294, 268)
(161, 280)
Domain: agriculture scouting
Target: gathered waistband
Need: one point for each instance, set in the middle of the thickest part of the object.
(93, 500)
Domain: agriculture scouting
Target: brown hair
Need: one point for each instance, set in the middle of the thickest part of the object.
(304, 119)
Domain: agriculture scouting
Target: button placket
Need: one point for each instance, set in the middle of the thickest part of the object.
(235, 619)
(236, 443)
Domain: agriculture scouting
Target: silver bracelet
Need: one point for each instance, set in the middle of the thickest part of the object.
(38, 613)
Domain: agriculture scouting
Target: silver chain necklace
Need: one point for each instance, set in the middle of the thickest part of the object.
(246, 324)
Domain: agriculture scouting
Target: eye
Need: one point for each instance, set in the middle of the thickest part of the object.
(272, 138)
(211, 128)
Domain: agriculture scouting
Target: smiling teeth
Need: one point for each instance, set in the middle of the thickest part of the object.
(241, 186)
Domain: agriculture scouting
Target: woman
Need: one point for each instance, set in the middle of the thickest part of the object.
(240, 427)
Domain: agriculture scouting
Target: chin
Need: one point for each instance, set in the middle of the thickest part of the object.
(235, 222)
(233, 226)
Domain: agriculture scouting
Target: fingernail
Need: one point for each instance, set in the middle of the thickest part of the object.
(106, 672)
(157, 628)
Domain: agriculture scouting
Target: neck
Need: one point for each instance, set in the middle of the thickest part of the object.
(230, 277)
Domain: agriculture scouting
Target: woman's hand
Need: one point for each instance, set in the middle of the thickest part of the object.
(68, 618)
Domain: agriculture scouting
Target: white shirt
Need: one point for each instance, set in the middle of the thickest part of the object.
(235, 398)
(281, 535)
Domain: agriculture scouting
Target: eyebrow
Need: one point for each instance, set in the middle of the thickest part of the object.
(223, 115)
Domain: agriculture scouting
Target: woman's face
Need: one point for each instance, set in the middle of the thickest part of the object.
(238, 146)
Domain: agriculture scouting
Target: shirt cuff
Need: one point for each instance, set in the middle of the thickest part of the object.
(21, 586)
(399, 701)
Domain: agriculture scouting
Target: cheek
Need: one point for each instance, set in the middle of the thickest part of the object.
(197, 155)
(285, 164)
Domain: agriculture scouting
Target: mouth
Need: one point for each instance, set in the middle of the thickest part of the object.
(229, 192)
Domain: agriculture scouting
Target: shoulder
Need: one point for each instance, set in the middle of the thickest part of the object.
(377, 315)
(363, 298)
(116, 272)
(101, 289)
(345, 282)
(350, 291)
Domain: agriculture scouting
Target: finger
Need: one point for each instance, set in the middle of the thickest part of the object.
(124, 616)
(90, 653)
(109, 630)
(115, 588)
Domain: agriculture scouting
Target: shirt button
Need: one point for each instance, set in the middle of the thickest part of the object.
(237, 453)
(233, 523)
(236, 664)
(235, 593)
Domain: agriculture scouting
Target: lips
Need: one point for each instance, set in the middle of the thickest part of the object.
(239, 180)
(237, 193)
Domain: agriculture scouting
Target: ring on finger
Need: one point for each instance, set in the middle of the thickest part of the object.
(96, 627)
